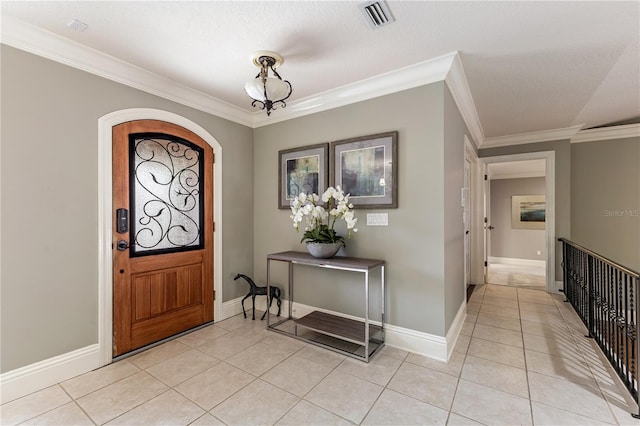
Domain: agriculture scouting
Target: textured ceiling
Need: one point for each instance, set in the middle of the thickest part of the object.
(531, 66)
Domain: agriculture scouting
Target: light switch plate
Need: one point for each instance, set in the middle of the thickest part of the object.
(377, 219)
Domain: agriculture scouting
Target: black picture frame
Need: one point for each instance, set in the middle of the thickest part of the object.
(366, 167)
(303, 169)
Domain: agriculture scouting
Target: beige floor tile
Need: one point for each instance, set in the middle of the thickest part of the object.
(546, 415)
(345, 395)
(33, 405)
(118, 398)
(378, 370)
(287, 343)
(545, 330)
(499, 335)
(500, 301)
(472, 316)
(576, 398)
(238, 321)
(453, 367)
(501, 291)
(430, 386)
(622, 410)
(259, 358)
(305, 413)
(259, 403)
(207, 420)
(467, 328)
(321, 355)
(496, 375)
(296, 375)
(169, 408)
(567, 368)
(68, 415)
(158, 354)
(458, 420)
(226, 346)
(498, 321)
(552, 345)
(96, 379)
(393, 352)
(498, 352)
(214, 385)
(202, 336)
(393, 408)
(500, 310)
(182, 367)
(544, 317)
(490, 406)
(462, 344)
(526, 306)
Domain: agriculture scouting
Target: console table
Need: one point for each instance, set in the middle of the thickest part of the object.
(356, 338)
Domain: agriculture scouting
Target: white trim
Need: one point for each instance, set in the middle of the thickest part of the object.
(517, 175)
(456, 80)
(559, 286)
(532, 137)
(425, 344)
(231, 308)
(607, 133)
(448, 67)
(405, 78)
(31, 378)
(550, 192)
(105, 207)
(516, 261)
(49, 45)
(456, 327)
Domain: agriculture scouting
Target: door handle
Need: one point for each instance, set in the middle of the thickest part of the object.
(122, 245)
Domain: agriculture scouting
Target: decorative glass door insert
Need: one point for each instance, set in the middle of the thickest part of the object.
(166, 194)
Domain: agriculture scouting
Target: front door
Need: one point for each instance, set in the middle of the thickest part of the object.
(162, 232)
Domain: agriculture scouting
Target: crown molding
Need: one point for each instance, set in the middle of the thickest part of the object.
(23, 36)
(607, 133)
(405, 78)
(532, 137)
(459, 87)
(448, 68)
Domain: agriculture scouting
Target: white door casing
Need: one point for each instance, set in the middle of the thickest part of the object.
(105, 276)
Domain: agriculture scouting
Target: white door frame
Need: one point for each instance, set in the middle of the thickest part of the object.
(475, 215)
(550, 195)
(105, 208)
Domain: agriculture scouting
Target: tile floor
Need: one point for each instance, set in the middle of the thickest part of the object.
(521, 359)
(525, 276)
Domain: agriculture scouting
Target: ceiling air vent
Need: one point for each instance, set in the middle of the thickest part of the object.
(376, 13)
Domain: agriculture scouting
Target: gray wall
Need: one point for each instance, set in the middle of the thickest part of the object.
(49, 212)
(605, 199)
(412, 244)
(562, 151)
(511, 242)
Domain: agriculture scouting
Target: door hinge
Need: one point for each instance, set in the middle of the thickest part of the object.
(485, 263)
(214, 227)
(485, 220)
(214, 295)
(213, 160)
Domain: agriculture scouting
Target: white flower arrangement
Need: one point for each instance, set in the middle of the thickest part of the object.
(320, 221)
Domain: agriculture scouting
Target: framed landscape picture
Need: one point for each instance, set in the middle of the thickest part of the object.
(366, 167)
(302, 170)
(528, 211)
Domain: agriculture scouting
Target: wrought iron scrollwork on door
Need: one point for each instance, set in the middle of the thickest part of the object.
(166, 194)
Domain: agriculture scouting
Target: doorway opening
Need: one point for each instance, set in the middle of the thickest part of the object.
(519, 228)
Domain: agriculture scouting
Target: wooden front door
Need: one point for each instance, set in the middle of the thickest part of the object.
(162, 232)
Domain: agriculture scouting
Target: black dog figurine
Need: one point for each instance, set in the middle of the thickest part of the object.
(254, 291)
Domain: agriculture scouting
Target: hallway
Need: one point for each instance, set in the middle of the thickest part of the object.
(521, 359)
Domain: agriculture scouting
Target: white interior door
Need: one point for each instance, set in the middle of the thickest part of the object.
(466, 218)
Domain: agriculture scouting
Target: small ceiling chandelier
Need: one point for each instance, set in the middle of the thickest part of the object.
(267, 91)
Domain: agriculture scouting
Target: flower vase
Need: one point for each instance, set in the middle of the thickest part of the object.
(323, 250)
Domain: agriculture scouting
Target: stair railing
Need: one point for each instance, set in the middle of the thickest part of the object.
(605, 296)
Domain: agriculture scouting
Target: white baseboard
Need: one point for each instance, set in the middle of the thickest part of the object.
(31, 378)
(425, 344)
(559, 286)
(515, 261)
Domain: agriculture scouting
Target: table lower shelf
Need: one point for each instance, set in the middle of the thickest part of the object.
(333, 332)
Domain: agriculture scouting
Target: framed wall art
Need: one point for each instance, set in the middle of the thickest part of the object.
(304, 169)
(366, 167)
(528, 211)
